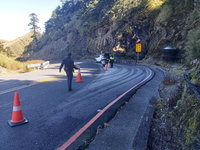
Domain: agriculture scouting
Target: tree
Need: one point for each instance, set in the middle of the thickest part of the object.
(192, 45)
(9, 52)
(71, 1)
(63, 2)
(34, 21)
(2, 47)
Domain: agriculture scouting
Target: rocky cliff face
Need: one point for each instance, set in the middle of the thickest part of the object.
(86, 27)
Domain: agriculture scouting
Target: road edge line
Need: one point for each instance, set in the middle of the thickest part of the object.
(73, 138)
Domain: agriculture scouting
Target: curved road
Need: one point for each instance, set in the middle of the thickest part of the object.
(55, 115)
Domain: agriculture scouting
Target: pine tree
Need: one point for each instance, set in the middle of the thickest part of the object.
(34, 27)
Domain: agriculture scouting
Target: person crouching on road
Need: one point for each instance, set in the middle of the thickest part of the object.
(69, 66)
(111, 61)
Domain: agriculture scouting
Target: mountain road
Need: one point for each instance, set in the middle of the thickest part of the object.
(58, 117)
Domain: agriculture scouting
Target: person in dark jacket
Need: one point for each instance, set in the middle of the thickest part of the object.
(69, 66)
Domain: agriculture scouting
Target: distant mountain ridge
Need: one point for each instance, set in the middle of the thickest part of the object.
(17, 46)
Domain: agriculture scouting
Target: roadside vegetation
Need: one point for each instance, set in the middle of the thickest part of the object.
(13, 65)
(176, 120)
(193, 44)
(9, 55)
(10, 63)
(11, 51)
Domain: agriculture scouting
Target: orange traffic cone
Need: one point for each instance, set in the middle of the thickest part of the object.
(79, 79)
(106, 68)
(108, 65)
(17, 116)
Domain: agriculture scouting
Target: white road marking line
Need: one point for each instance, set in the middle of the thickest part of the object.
(16, 88)
(25, 86)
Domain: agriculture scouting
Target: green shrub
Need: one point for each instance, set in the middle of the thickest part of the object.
(195, 79)
(187, 117)
(193, 45)
(179, 6)
(164, 15)
(11, 64)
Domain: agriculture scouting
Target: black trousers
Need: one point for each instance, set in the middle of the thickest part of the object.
(111, 63)
(69, 79)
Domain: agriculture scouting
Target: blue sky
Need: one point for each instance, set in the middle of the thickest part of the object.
(14, 16)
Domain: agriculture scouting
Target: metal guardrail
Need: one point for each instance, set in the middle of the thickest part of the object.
(44, 65)
(39, 65)
(190, 85)
(33, 65)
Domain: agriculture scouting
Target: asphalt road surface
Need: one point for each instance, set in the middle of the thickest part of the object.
(54, 113)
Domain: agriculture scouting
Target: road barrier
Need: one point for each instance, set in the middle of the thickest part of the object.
(39, 65)
(79, 79)
(44, 65)
(108, 65)
(34, 66)
(106, 68)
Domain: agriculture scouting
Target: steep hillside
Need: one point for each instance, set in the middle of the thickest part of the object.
(176, 122)
(89, 26)
(16, 47)
(12, 50)
(85, 27)
(3, 41)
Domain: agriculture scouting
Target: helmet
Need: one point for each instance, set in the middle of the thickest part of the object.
(69, 54)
